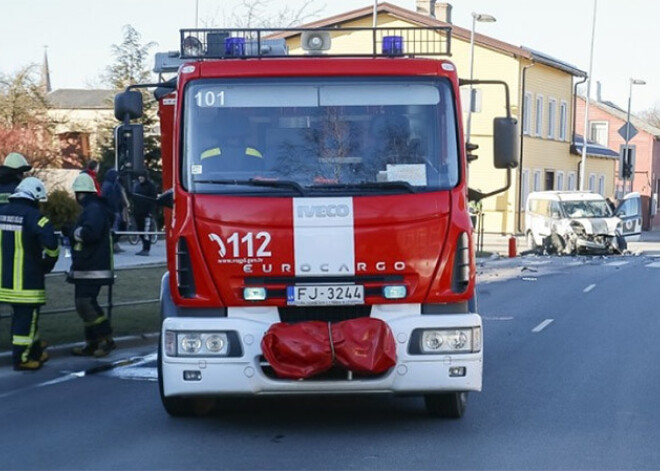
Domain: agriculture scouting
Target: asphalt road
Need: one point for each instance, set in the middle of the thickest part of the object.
(570, 382)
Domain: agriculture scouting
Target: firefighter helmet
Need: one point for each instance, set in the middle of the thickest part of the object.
(84, 184)
(16, 161)
(31, 188)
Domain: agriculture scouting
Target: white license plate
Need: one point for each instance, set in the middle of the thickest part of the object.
(325, 294)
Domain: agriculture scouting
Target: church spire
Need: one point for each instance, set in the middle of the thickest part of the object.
(45, 73)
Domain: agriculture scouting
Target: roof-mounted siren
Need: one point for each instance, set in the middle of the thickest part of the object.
(392, 45)
(192, 47)
(315, 42)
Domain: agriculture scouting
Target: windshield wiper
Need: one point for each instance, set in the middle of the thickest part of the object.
(396, 185)
(257, 182)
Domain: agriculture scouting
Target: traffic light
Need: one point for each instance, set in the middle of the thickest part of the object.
(627, 163)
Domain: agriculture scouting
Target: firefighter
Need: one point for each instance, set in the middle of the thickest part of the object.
(11, 174)
(29, 250)
(234, 153)
(91, 266)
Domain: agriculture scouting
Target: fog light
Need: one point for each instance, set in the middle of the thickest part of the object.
(254, 294)
(394, 292)
(192, 375)
(457, 371)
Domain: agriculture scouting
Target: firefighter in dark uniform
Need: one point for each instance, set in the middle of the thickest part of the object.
(92, 266)
(11, 174)
(29, 250)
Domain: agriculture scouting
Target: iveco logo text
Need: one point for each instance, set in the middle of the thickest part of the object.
(324, 211)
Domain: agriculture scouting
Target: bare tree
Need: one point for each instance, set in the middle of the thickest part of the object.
(260, 14)
(652, 116)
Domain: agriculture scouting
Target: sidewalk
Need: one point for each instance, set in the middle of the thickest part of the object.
(124, 259)
(649, 244)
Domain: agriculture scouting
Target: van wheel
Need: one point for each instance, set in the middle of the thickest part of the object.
(446, 405)
(531, 243)
(181, 406)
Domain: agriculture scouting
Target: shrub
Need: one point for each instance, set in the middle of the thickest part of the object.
(61, 208)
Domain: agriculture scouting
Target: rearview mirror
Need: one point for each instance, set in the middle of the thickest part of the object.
(128, 105)
(505, 143)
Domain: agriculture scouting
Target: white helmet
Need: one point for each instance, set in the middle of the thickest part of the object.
(83, 184)
(31, 188)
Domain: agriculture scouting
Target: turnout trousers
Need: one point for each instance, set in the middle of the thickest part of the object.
(97, 324)
(25, 333)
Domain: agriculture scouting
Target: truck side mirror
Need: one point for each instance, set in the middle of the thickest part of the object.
(129, 147)
(128, 104)
(166, 199)
(505, 143)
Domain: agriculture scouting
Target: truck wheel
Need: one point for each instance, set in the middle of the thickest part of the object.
(178, 406)
(446, 405)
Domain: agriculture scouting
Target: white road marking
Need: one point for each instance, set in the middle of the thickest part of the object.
(497, 318)
(653, 265)
(589, 288)
(616, 264)
(539, 262)
(542, 325)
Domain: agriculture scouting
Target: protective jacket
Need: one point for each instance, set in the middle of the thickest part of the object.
(8, 184)
(91, 257)
(29, 250)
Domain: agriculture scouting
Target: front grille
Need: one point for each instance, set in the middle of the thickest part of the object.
(293, 314)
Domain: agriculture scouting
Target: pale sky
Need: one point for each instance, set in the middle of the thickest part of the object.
(79, 34)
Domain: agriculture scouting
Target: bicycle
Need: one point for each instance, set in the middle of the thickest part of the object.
(150, 225)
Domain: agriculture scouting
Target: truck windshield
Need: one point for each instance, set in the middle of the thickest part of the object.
(349, 135)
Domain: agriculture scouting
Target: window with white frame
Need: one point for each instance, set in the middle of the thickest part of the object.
(524, 188)
(538, 124)
(527, 113)
(598, 132)
(571, 181)
(592, 182)
(537, 180)
(552, 117)
(601, 184)
(563, 120)
(560, 181)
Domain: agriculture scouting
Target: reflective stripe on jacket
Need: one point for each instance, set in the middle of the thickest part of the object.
(91, 257)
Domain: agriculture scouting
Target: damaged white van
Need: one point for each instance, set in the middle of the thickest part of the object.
(572, 222)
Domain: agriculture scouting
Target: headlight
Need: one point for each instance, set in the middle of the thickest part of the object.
(196, 343)
(451, 340)
(578, 228)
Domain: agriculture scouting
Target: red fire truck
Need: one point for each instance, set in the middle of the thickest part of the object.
(318, 233)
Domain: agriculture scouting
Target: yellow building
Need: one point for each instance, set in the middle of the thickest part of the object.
(542, 97)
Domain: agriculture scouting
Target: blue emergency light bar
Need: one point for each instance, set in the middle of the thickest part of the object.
(202, 44)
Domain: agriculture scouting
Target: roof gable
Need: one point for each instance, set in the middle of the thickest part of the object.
(67, 98)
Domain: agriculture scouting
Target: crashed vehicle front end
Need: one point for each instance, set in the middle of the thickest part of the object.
(592, 235)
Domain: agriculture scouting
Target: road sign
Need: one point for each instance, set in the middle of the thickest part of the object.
(623, 129)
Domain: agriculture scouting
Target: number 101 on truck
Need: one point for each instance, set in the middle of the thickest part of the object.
(318, 234)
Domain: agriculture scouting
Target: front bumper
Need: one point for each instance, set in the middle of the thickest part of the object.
(246, 375)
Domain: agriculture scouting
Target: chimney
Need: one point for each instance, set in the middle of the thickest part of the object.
(426, 7)
(599, 96)
(443, 12)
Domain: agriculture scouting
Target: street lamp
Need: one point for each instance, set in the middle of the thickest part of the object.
(482, 18)
(626, 160)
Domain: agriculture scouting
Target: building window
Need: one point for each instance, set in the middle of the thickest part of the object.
(601, 184)
(571, 181)
(549, 183)
(552, 115)
(563, 120)
(538, 126)
(598, 132)
(592, 182)
(560, 180)
(537, 181)
(527, 113)
(524, 188)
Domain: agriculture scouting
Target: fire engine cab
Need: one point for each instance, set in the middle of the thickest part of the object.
(318, 234)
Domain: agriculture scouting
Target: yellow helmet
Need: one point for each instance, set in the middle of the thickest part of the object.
(83, 184)
(17, 162)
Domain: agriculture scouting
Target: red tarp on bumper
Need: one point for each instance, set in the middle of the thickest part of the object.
(296, 351)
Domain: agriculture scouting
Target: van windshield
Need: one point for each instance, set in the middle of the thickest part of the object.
(295, 136)
(586, 209)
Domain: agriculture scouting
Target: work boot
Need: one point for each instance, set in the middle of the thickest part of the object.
(86, 351)
(30, 365)
(143, 253)
(44, 357)
(105, 347)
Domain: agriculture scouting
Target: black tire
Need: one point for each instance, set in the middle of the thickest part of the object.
(132, 238)
(178, 406)
(446, 405)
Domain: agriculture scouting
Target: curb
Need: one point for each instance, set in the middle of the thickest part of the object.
(64, 350)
